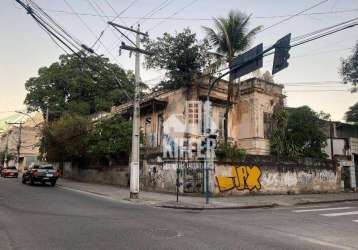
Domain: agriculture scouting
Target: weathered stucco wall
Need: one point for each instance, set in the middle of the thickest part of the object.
(241, 179)
(116, 175)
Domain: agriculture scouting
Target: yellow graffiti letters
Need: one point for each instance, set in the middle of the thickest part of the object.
(243, 177)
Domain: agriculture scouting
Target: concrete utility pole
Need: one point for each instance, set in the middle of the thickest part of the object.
(18, 146)
(134, 174)
(6, 149)
(135, 159)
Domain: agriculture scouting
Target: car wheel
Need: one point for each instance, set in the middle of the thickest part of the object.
(31, 181)
(23, 180)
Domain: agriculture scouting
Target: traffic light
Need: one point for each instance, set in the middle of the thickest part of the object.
(282, 48)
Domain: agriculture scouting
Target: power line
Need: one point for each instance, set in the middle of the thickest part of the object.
(290, 17)
(323, 29)
(54, 22)
(318, 90)
(94, 5)
(174, 14)
(40, 21)
(192, 18)
(123, 11)
(49, 34)
(151, 11)
(92, 32)
(325, 34)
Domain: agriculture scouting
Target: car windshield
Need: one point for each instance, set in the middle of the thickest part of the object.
(46, 167)
(11, 168)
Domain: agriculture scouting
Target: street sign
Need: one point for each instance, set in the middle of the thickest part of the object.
(282, 47)
(244, 60)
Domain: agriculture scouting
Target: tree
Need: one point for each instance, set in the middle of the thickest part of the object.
(67, 139)
(9, 157)
(181, 55)
(111, 139)
(77, 139)
(349, 69)
(83, 85)
(352, 114)
(298, 132)
(231, 36)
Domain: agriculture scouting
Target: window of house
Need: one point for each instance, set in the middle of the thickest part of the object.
(221, 125)
(160, 129)
(193, 112)
(148, 131)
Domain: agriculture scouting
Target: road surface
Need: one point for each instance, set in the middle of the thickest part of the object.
(39, 217)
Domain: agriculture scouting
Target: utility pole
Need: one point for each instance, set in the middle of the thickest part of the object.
(18, 146)
(135, 157)
(6, 149)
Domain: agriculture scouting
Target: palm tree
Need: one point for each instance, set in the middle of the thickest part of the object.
(231, 36)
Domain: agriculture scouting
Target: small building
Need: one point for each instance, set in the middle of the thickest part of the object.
(342, 145)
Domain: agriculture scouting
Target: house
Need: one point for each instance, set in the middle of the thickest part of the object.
(28, 137)
(342, 145)
(166, 116)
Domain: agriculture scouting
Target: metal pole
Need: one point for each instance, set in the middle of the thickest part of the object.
(331, 134)
(207, 128)
(18, 146)
(134, 171)
(6, 149)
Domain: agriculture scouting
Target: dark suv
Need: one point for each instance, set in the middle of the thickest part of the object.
(42, 173)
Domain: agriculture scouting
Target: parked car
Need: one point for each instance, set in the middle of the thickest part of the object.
(10, 171)
(41, 173)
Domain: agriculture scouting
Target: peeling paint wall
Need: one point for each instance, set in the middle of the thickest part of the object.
(269, 180)
(264, 177)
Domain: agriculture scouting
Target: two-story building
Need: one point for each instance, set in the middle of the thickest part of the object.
(168, 116)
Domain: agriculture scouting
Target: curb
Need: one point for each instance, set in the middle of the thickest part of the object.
(188, 207)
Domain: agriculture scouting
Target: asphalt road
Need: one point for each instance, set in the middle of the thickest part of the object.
(39, 217)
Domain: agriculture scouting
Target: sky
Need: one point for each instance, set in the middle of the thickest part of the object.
(25, 47)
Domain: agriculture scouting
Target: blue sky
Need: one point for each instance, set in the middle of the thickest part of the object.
(25, 47)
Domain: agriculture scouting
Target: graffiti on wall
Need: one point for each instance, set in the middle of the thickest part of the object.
(242, 177)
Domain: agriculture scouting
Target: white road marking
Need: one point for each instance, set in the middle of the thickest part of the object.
(319, 242)
(340, 214)
(321, 209)
(355, 221)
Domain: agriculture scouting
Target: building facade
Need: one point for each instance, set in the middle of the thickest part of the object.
(342, 145)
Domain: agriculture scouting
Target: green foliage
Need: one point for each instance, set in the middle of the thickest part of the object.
(10, 156)
(75, 138)
(229, 152)
(111, 138)
(298, 132)
(181, 55)
(349, 69)
(80, 85)
(352, 114)
(67, 139)
(231, 34)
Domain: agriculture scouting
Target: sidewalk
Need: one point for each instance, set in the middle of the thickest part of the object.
(198, 203)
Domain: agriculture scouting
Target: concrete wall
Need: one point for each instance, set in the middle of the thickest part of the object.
(241, 179)
(117, 175)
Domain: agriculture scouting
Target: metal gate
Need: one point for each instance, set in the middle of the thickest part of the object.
(193, 176)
